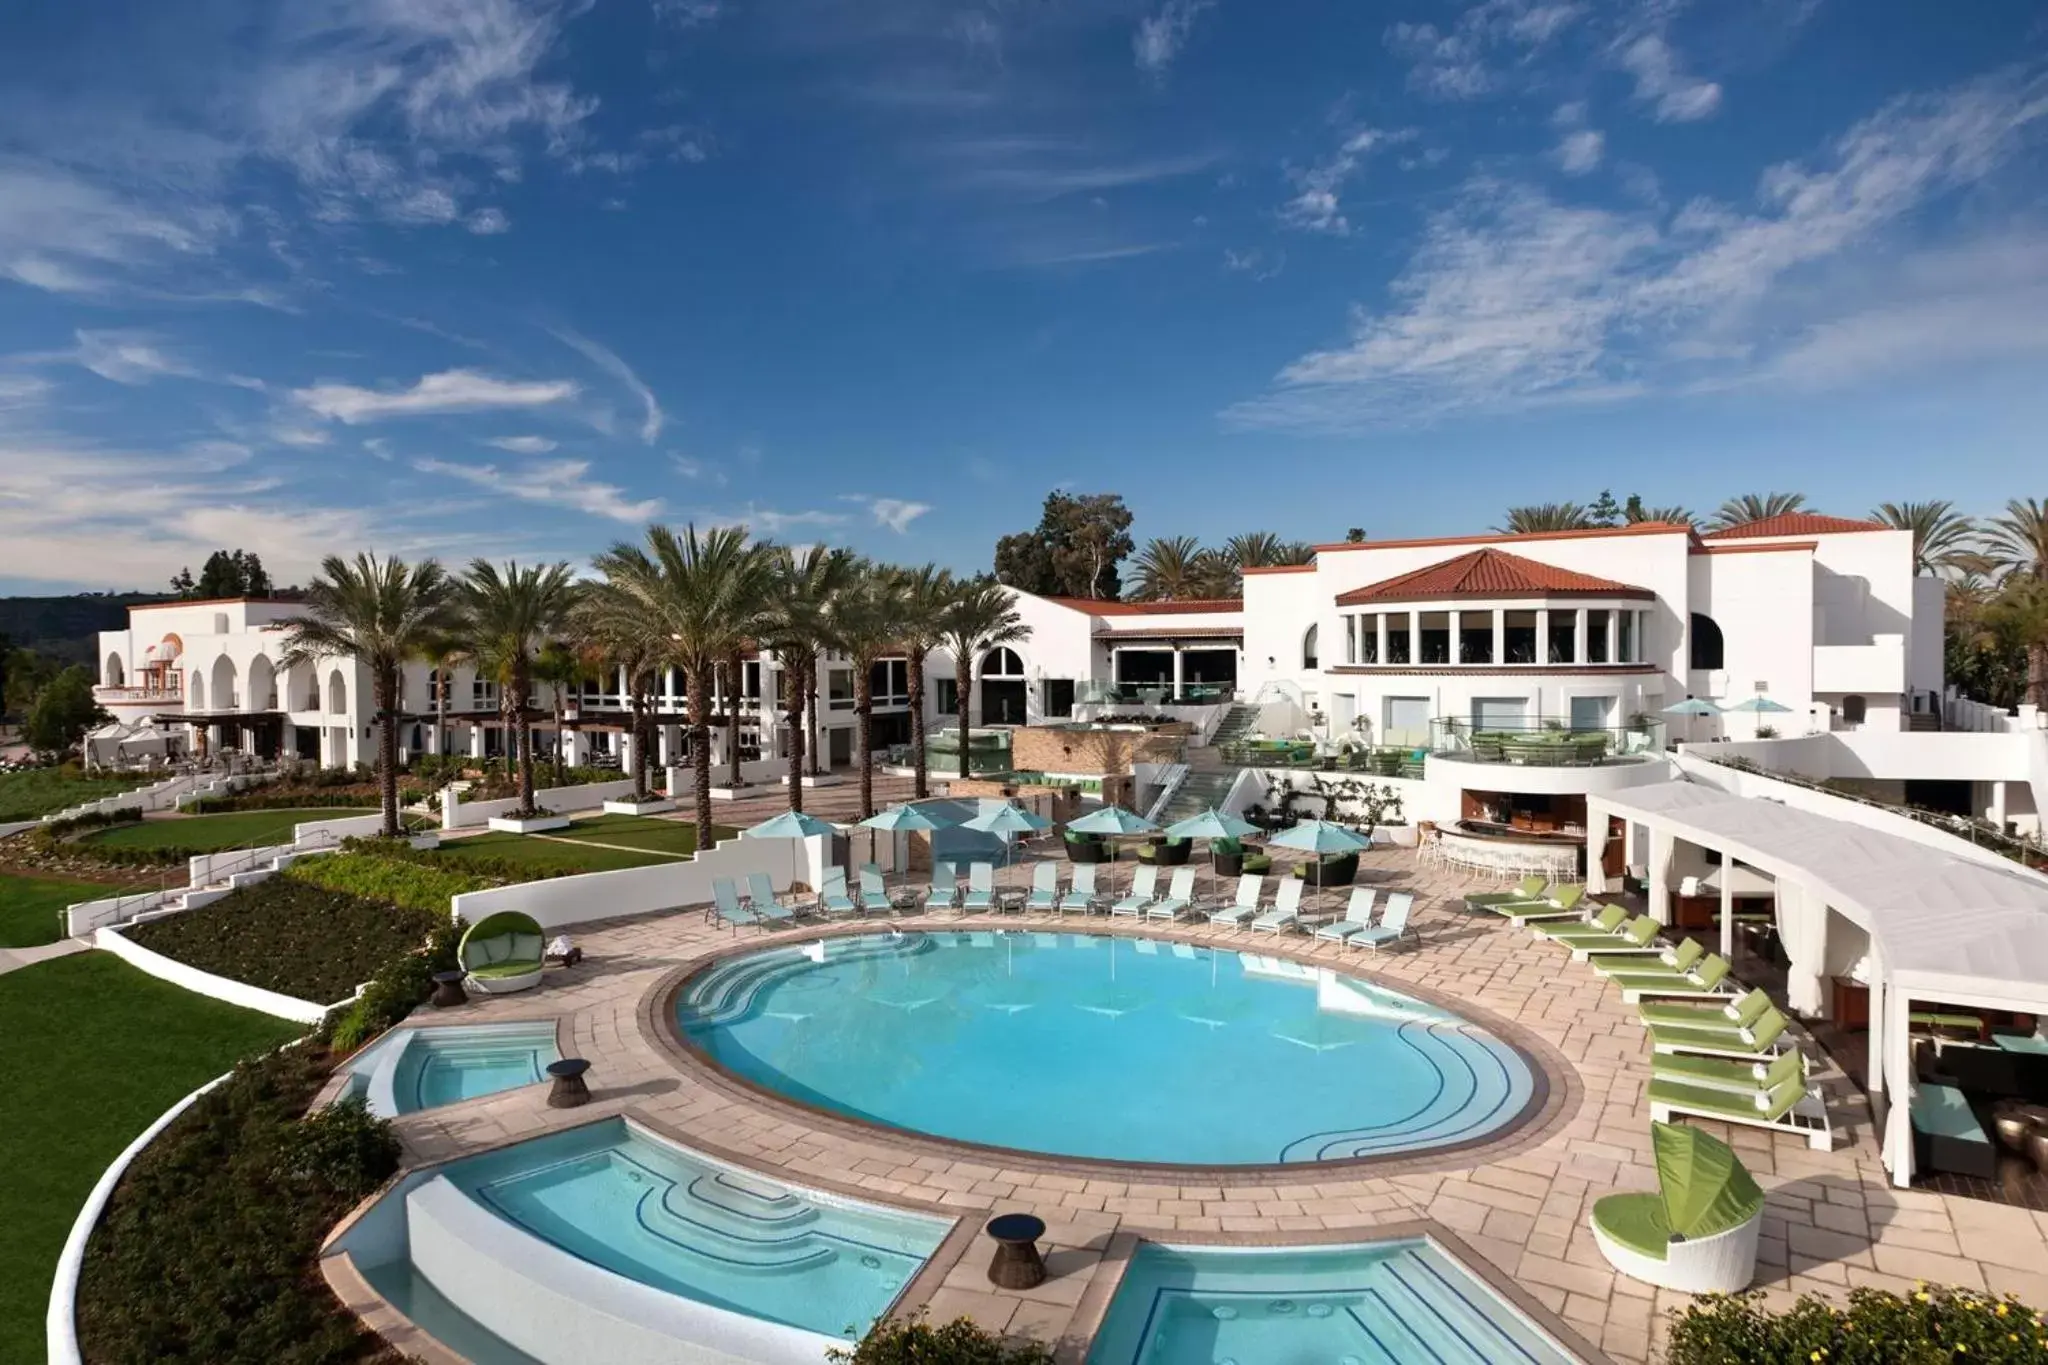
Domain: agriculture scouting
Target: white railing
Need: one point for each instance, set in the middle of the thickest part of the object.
(1170, 776)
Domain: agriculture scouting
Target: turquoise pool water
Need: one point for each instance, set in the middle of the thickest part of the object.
(1390, 1303)
(657, 1214)
(445, 1065)
(1092, 1046)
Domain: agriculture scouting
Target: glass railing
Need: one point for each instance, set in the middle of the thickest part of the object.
(1156, 694)
(988, 751)
(1546, 744)
(1345, 755)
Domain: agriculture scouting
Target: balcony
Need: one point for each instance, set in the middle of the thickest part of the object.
(1546, 745)
(107, 695)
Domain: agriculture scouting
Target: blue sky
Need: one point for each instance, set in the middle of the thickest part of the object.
(511, 277)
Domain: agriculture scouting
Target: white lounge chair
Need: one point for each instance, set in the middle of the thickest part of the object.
(874, 892)
(1144, 890)
(1393, 925)
(725, 904)
(1045, 888)
(1250, 888)
(1358, 913)
(832, 897)
(945, 888)
(1081, 893)
(1286, 908)
(981, 887)
(1180, 893)
(761, 899)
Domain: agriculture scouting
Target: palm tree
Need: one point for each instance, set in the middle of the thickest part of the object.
(867, 621)
(1258, 550)
(613, 624)
(559, 666)
(380, 613)
(1671, 516)
(2020, 613)
(983, 614)
(924, 594)
(1940, 533)
(802, 588)
(2018, 541)
(1751, 507)
(696, 594)
(1175, 568)
(441, 656)
(1548, 516)
(512, 614)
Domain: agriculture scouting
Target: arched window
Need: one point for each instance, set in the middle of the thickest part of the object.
(1002, 663)
(1706, 642)
(1308, 648)
(1854, 709)
(115, 676)
(337, 693)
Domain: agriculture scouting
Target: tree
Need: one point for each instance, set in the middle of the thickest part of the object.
(1177, 568)
(561, 667)
(696, 592)
(183, 584)
(2018, 541)
(802, 585)
(982, 615)
(379, 613)
(1073, 552)
(441, 656)
(866, 619)
(1982, 660)
(1548, 516)
(511, 614)
(1635, 514)
(926, 592)
(1749, 507)
(226, 573)
(1940, 533)
(2020, 615)
(1355, 536)
(1605, 511)
(612, 627)
(63, 712)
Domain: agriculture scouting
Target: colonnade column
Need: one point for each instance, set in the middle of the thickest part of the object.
(1543, 635)
(1657, 894)
(1414, 637)
(1579, 636)
(1380, 625)
(1176, 673)
(1500, 635)
(1457, 623)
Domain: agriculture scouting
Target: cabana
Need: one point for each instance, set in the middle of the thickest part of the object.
(1927, 925)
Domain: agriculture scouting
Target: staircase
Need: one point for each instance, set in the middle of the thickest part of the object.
(1238, 722)
(1197, 792)
(1923, 720)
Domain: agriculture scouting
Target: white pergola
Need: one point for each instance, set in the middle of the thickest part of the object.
(1940, 928)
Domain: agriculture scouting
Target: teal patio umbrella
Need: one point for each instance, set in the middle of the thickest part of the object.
(1211, 825)
(791, 824)
(1007, 821)
(1693, 706)
(1113, 822)
(1319, 837)
(1760, 706)
(903, 820)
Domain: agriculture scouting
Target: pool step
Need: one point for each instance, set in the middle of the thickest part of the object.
(728, 992)
(1477, 1087)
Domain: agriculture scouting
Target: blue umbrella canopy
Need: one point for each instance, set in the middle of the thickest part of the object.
(1319, 836)
(1759, 706)
(1693, 706)
(1211, 824)
(1112, 820)
(791, 824)
(1007, 820)
(905, 820)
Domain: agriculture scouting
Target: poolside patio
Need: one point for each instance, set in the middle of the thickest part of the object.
(1517, 1206)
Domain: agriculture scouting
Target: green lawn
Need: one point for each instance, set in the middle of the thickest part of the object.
(213, 833)
(43, 791)
(29, 906)
(548, 855)
(640, 831)
(94, 1051)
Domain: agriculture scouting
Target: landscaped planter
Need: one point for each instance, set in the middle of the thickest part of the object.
(650, 806)
(532, 824)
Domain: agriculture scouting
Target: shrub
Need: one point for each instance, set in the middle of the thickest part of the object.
(400, 986)
(394, 875)
(1876, 1328)
(97, 819)
(206, 1250)
(286, 800)
(914, 1341)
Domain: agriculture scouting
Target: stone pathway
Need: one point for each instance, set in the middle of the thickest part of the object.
(1519, 1205)
(14, 959)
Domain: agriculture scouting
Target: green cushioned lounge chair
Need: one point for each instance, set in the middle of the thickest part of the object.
(1534, 888)
(761, 899)
(1760, 1039)
(1636, 945)
(1662, 962)
(726, 907)
(1607, 921)
(1787, 1108)
(502, 953)
(1727, 1073)
(1566, 903)
(1725, 1016)
(1698, 1232)
(1708, 977)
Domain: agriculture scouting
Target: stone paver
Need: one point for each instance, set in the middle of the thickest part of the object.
(1518, 1205)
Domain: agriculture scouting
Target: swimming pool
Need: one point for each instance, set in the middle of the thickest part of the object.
(1387, 1303)
(1110, 1048)
(421, 1068)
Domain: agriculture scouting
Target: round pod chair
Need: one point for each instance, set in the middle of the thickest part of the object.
(502, 953)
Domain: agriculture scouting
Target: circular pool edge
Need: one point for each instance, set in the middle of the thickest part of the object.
(1555, 1088)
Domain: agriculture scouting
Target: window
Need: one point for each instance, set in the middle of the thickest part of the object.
(1500, 713)
(1564, 632)
(1351, 639)
(1854, 709)
(839, 689)
(1369, 639)
(1400, 645)
(1706, 647)
(946, 696)
(1406, 720)
(1626, 653)
(1308, 648)
(1002, 663)
(1059, 696)
(1475, 637)
(1596, 637)
(1592, 713)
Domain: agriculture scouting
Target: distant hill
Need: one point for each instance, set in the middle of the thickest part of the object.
(65, 627)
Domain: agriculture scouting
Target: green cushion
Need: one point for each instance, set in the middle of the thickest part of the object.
(526, 947)
(486, 951)
(497, 971)
(1636, 1221)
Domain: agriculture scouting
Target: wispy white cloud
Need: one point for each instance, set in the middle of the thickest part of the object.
(1161, 36)
(696, 470)
(1316, 205)
(489, 222)
(1515, 300)
(652, 418)
(1038, 169)
(522, 445)
(555, 483)
(1580, 147)
(1257, 262)
(128, 357)
(62, 232)
(1044, 257)
(894, 513)
(1482, 47)
(1661, 83)
(446, 392)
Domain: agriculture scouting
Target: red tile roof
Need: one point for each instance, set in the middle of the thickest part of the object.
(1796, 524)
(1489, 573)
(1103, 607)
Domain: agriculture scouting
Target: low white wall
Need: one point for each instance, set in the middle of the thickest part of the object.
(208, 868)
(1897, 755)
(459, 814)
(562, 901)
(342, 827)
(682, 778)
(206, 983)
(60, 1321)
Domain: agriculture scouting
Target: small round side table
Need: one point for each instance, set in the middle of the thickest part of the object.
(1016, 1264)
(448, 990)
(569, 1089)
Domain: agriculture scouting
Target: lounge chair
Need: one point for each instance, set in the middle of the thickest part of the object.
(1756, 1040)
(1286, 908)
(1569, 903)
(1742, 1011)
(761, 899)
(1790, 1108)
(832, 897)
(1654, 962)
(725, 905)
(874, 892)
(1180, 894)
(1708, 977)
(945, 888)
(1728, 1073)
(1358, 913)
(1081, 893)
(1636, 933)
(1637, 943)
(1250, 887)
(981, 887)
(1144, 889)
(1534, 888)
(1045, 888)
(1607, 920)
(1392, 926)
(503, 952)
(1699, 1231)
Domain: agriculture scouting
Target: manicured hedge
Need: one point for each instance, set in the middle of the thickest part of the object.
(399, 987)
(396, 876)
(1928, 1326)
(207, 1249)
(289, 800)
(914, 1341)
(287, 935)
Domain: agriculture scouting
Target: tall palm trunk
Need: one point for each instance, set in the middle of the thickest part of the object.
(2037, 673)
(793, 712)
(734, 668)
(963, 682)
(811, 711)
(520, 686)
(700, 748)
(864, 712)
(561, 736)
(386, 689)
(920, 787)
(636, 703)
(441, 718)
